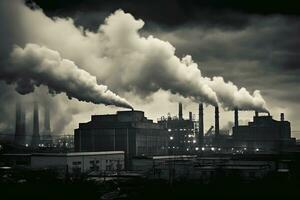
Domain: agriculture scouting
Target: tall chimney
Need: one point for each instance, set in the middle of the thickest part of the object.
(256, 113)
(236, 117)
(180, 111)
(20, 129)
(201, 124)
(36, 132)
(23, 125)
(18, 123)
(191, 116)
(47, 120)
(282, 117)
(217, 130)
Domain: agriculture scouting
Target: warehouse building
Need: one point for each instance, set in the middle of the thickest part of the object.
(80, 162)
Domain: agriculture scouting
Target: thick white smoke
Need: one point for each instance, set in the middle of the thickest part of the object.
(36, 65)
(124, 60)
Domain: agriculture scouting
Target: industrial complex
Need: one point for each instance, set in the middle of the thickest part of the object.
(171, 148)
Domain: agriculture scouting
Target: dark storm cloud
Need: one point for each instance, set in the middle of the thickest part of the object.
(172, 13)
(270, 44)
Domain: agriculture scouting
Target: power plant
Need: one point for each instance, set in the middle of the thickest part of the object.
(264, 134)
(131, 131)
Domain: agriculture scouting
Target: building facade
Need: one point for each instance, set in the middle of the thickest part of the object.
(264, 134)
(182, 132)
(80, 162)
(128, 131)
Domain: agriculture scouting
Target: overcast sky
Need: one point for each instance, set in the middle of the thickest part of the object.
(254, 44)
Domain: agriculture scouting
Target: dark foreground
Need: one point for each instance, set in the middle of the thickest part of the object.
(46, 185)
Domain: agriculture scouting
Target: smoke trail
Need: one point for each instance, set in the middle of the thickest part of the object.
(35, 65)
(129, 62)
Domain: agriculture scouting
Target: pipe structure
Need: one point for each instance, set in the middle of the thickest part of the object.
(217, 129)
(236, 117)
(180, 111)
(201, 124)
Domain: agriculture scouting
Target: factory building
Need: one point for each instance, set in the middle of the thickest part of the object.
(182, 132)
(80, 162)
(263, 134)
(128, 131)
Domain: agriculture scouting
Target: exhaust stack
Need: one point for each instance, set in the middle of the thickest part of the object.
(20, 128)
(201, 124)
(191, 116)
(217, 129)
(236, 117)
(180, 111)
(282, 117)
(47, 120)
(36, 130)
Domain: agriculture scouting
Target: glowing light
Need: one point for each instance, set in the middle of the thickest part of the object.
(197, 148)
(203, 148)
(171, 138)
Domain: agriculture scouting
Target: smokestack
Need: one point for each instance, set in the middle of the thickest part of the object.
(236, 117)
(256, 113)
(180, 111)
(201, 124)
(20, 129)
(23, 124)
(18, 123)
(191, 116)
(217, 130)
(36, 132)
(47, 120)
(282, 117)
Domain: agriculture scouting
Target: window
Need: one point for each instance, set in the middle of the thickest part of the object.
(76, 163)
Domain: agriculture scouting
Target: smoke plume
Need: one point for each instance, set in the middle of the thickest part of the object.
(35, 65)
(117, 54)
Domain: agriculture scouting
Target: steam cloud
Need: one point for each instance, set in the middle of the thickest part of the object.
(125, 60)
(36, 65)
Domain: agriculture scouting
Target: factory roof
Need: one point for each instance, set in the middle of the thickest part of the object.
(67, 154)
(79, 153)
